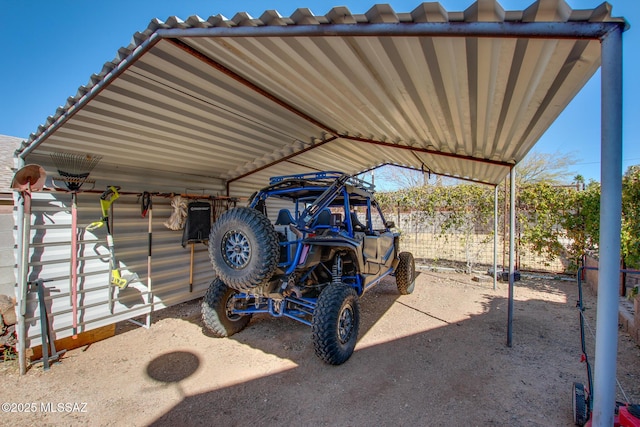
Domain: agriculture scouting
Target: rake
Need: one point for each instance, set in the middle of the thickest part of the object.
(74, 170)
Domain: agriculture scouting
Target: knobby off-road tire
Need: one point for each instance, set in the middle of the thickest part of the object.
(243, 247)
(406, 273)
(580, 410)
(216, 315)
(335, 324)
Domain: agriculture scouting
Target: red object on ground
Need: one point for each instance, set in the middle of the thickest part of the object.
(623, 419)
(626, 419)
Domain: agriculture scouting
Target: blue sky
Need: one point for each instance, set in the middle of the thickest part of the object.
(50, 48)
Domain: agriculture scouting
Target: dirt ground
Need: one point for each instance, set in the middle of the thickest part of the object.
(437, 357)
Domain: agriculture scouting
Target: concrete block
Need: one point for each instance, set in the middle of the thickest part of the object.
(624, 318)
(7, 257)
(7, 280)
(6, 222)
(634, 333)
(7, 239)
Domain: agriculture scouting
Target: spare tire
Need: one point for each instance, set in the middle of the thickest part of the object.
(243, 247)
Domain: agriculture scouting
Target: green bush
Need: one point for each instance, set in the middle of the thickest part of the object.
(630, 237)
(547, 215)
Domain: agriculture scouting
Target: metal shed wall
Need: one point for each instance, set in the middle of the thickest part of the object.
(50, 254)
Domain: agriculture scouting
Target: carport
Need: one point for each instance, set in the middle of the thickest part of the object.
(217, 106)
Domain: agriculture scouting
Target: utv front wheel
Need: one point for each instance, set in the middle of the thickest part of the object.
(406, 273)
(335, 323)
(217, 315)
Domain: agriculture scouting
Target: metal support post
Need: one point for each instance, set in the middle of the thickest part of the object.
(23, 237)
(604, 395)
(512, 228)
(495, 238)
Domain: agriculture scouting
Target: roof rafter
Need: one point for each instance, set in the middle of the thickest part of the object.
(474, 181)
(226, 71)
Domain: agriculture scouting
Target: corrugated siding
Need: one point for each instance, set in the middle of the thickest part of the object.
(50, 258)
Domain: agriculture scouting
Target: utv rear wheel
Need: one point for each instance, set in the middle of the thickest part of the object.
(406, 273)
(335, 323)
(217, 314)
(243, 247)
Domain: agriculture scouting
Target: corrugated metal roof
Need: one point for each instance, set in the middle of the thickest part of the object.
(432, 89)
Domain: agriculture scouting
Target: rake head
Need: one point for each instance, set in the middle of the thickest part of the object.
(74, 169)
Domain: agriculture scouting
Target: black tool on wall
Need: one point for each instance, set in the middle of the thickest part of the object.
(196, 230)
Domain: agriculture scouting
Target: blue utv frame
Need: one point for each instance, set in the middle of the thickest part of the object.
(338, 185)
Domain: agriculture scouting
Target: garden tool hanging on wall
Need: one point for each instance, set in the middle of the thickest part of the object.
(28, 179)
(107, 198)
(147, 211)
(196, 230)
(74, 170)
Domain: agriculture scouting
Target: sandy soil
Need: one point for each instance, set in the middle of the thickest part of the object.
(436, 357)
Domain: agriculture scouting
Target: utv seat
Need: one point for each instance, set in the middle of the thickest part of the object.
(356, 224)
(284, 217)
(323, 221)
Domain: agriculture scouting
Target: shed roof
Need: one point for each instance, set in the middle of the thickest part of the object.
(464, 94)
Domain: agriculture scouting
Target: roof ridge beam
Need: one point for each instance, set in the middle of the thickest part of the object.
(533, 30)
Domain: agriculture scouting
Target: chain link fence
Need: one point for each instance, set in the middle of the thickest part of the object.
(468, 247)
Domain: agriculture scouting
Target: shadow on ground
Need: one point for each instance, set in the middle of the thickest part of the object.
(451, 371)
